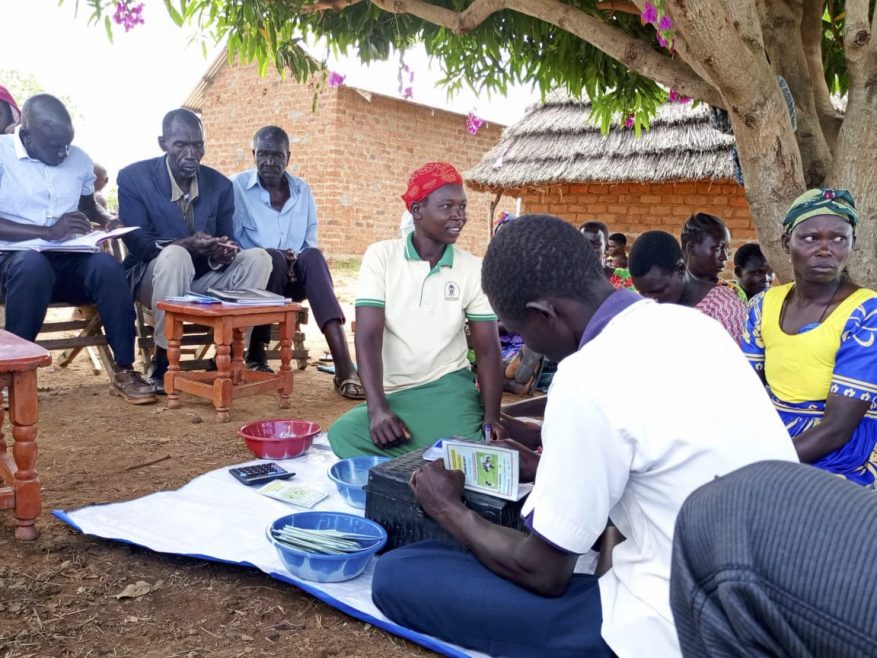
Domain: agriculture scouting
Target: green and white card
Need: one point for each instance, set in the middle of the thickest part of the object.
(291, 493)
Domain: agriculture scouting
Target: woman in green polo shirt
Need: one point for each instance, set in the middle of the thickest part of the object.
(413, 300)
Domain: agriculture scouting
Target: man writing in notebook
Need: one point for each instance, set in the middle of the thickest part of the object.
(47, 192)
(185, 214)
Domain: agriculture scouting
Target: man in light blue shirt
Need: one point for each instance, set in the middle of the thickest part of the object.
(275, 210)
(47, 192)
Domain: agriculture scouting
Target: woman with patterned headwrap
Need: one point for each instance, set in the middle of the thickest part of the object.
(413, 300)
(813, 341)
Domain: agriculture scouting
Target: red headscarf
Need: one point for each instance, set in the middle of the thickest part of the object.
(6, 96)
(428, 179)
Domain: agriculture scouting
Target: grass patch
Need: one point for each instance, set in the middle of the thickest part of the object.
(345, 264)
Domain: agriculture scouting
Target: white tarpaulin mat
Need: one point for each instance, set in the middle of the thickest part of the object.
(215, 517)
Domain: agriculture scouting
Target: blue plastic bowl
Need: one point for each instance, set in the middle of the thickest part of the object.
(351, 476)
(327, 568)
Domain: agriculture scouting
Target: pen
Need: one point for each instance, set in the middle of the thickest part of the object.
(488, 432)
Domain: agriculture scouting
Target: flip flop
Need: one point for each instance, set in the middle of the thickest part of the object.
(351, 388)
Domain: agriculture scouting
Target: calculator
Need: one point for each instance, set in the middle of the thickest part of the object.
(259, 473)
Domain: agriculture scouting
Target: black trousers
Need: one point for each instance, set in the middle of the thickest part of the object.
(31, 280)
(313, 282)
(776, 559)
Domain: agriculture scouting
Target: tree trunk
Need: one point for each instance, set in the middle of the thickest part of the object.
(811, 35)
(781, 27)
(768, 151)
(855, 168)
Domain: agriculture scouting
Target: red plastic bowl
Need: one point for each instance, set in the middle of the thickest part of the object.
(279, 438)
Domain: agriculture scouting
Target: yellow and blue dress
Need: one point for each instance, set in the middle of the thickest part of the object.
(837, 356)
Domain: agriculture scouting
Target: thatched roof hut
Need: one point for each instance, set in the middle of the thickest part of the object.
(557, 142)
(556, 160)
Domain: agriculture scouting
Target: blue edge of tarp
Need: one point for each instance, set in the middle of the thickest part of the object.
(418, 638)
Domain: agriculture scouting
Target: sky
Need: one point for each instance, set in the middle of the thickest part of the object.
(121, 90)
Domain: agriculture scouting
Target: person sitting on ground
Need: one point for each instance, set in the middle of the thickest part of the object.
(10, 115)
(812, 341)
(413, 300)
(773, 560)
(659, 273)
(597, 234)
(706, 242)
(515, 593)
(616, 250)
(275, 210)
(754, 274)
(186, 217)
(47, 192)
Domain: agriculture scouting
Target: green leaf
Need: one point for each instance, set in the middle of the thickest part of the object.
(176, 17)
(108, 26)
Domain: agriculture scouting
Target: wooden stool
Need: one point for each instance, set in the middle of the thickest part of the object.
(232, 378)
(19, 360)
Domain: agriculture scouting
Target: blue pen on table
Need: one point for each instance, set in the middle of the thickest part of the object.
(488, 432)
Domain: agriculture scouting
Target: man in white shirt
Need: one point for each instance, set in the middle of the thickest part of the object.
(47, 192)
(624, 441)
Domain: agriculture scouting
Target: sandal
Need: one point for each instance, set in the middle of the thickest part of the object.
(351, 388)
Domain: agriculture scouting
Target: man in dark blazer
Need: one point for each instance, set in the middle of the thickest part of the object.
(185, 213)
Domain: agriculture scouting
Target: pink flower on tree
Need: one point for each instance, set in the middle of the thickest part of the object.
(628, 121)
(662, 41)
(406, 90)
(473, 123)
(336, 79)
(128, 15)
(665, 23)
(676, 97)
(649, 14)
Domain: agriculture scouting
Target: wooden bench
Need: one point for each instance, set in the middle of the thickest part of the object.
(89, 337)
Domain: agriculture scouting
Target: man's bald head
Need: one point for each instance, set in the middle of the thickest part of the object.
(46, 129)
(179, 116)
(45, 110)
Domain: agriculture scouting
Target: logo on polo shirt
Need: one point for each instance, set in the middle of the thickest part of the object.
(452, 292)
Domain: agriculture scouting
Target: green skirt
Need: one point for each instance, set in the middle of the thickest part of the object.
(448, 406)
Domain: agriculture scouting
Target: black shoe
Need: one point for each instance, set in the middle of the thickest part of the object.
(157, 368)
(259, 365)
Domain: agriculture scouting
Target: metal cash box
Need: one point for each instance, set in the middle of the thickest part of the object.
(390, 501)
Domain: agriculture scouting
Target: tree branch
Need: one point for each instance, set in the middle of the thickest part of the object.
(811, 36)
(619, 5)
(782, 29)
(857, 31)
(769, 154)
(328, 5)
(634, 53)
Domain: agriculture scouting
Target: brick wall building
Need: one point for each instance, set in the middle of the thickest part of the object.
(632, 208)
(355, 150)
(556, 161)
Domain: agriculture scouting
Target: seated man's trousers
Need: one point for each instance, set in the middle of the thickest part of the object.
(776, 559)
(31, 280)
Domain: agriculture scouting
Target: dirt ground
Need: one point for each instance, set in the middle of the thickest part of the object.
(58, 594)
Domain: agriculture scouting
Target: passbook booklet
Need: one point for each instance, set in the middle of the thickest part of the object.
(488, 469)
(90, 243)
(249, 297)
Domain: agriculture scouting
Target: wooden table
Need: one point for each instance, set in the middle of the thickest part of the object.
(232, 379)
(20, 490)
